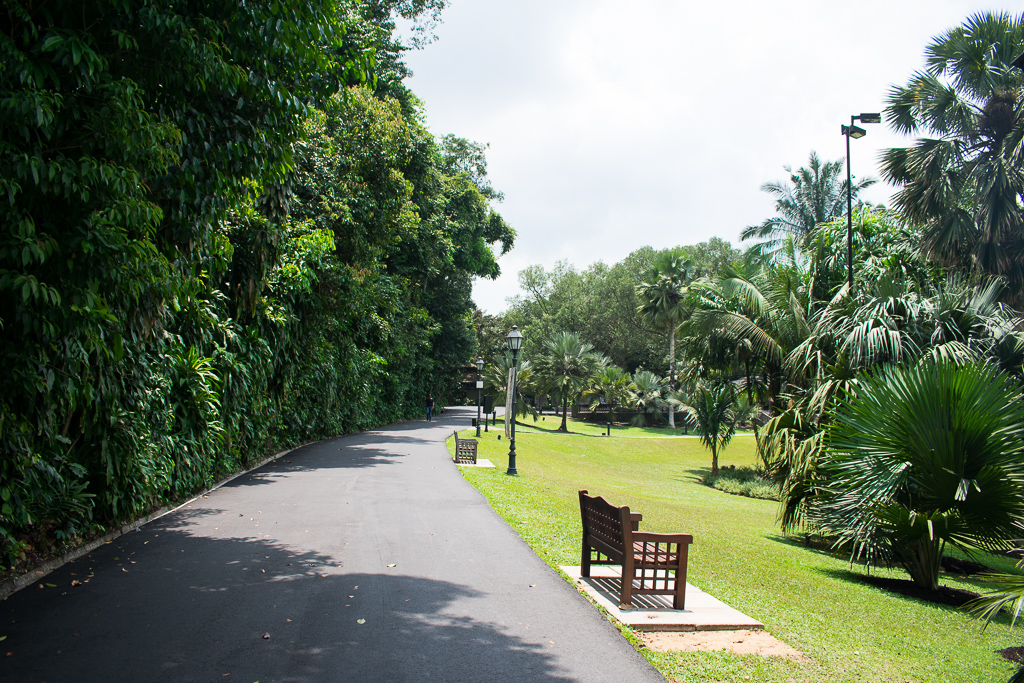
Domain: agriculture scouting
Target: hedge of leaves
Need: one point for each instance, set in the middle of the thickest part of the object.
(223, 231)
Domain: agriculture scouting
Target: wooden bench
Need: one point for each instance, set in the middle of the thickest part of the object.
(652, 564)
(465, 451)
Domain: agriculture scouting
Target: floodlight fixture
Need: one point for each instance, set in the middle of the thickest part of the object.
(855, 132)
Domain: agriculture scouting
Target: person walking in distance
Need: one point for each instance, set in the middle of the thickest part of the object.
(430, 406)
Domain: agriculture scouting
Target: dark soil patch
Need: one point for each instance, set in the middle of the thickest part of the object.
(951, 565)
(944, 595)
(1013, 654)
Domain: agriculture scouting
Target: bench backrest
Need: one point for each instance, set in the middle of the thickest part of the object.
(465, 450)
(607, 528)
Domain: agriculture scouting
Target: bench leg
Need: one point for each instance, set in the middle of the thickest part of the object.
(585, 560)
(626, 594)
(679, 600)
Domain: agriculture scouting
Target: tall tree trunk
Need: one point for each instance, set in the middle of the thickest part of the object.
(565, 408)
(714, 459)
(750, 393)
(672, 374)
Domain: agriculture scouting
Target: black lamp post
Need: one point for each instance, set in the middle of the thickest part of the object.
(856, 132)
(479, 389)
(515, 342)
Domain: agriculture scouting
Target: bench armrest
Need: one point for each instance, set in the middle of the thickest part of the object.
(654, 537)
(634, 519)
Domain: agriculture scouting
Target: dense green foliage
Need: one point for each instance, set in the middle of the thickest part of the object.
(224, 229)
(602, 303)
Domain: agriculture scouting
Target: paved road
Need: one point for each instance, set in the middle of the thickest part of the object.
(362, 558)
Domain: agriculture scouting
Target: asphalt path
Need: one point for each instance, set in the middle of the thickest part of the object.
(362, 558)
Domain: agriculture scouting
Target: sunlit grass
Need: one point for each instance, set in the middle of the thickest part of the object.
(549, 424)
(805, 596)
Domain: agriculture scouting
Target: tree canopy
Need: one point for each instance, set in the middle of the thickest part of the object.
(224, 229)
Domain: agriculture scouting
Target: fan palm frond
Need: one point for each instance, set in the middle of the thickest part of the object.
(923, 456)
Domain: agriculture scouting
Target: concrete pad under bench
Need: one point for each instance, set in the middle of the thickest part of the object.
(480, 462)
(654, 612)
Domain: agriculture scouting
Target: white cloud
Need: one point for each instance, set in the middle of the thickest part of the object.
(612, 126)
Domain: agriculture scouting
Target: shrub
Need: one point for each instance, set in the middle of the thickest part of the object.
(743, 481)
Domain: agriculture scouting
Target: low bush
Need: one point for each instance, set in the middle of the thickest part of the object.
(743, 481)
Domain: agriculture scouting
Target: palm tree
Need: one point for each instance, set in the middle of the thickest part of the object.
(565, 368)
(765, 313)
(817, 194)
(663, 303)
(897, 320)
(647, 397)
(789, 447)
(922, 457)
(711, 409)
(611, 383)
(964, 179)
(496, 376)
(892, 318)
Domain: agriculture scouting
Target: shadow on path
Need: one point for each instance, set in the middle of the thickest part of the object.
(162, 604)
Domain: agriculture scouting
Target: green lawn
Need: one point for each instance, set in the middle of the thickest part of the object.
(811, 600)
(549, 424)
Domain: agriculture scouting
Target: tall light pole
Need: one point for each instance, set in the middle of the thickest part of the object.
(479, 390)
(857, 132)
(515, 342)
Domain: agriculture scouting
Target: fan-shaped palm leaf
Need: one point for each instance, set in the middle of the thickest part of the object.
(565, 367)
(924, 456)
(647, 398)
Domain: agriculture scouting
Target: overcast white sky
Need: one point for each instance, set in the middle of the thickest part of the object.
(613, 125)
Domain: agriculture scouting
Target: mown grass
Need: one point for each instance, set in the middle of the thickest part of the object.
(805, 596)
(549, 424)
